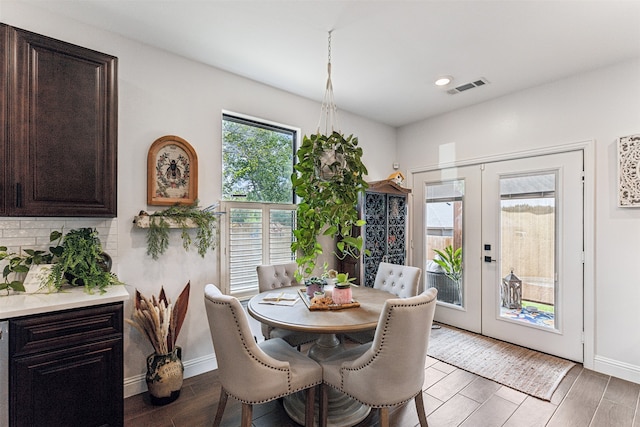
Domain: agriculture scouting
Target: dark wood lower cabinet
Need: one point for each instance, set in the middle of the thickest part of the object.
(67, 368)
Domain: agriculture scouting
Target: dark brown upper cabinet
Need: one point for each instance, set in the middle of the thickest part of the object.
(59, 146)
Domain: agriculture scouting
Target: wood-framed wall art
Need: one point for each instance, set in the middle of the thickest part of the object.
(172, 172)
(629, 171)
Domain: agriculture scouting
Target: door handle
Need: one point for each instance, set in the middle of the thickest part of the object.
(489, 259)
(18, 195)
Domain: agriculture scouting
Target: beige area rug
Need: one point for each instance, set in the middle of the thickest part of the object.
(528, 371)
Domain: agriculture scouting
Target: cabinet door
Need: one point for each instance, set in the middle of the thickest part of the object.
(79, 386)
(396, 229)
(375, 235)
(63, 133)
(4, 68)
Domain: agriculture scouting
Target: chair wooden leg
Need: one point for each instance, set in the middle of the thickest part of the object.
(222, 402)
(384, 417)
(247, 414)
(324, 405)
(420, 408)
(310, 406)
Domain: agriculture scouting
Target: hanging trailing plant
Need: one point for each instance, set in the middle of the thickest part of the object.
(185, 217)
(329, 191)
(329, 178)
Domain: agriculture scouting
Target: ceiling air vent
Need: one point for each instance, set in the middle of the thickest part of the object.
(480, 82)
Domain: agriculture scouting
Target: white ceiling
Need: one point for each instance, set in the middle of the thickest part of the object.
(385, 54)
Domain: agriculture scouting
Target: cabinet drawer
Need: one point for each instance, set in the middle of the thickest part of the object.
(51, 331)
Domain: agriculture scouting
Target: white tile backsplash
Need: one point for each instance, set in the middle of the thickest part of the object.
(33, 233)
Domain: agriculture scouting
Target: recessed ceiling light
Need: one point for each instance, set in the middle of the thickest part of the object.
(443, 80)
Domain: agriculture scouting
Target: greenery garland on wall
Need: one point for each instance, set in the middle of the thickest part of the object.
(185, 217)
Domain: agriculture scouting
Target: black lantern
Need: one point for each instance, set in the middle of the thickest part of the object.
(512, 291)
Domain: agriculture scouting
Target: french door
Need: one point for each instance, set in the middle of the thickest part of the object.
(447, 205)
(518, 225)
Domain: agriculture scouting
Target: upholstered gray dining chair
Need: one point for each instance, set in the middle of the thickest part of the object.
(275, 277)
(255, 373)
(390, 370)
(400, 280)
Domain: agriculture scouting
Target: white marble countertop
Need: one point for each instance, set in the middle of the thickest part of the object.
(23, 304)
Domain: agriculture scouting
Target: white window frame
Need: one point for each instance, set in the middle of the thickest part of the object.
(225, 221)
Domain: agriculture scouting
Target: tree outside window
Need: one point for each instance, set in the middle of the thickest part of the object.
(257, 161)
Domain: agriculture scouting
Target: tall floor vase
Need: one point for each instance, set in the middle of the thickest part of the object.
(164, 376)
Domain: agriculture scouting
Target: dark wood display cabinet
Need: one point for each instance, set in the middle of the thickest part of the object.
(384, 208)
(59, 145)
(66, 368)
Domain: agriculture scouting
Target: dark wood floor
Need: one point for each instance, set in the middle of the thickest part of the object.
(453, 397)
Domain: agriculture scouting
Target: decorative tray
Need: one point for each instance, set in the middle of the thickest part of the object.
(327, 303)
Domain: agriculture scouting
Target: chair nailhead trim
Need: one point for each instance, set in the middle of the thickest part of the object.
(244, 344)
(369, 404)
(257, 402)
(382, 340)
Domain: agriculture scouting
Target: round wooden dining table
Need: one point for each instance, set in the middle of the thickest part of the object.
(343, 411)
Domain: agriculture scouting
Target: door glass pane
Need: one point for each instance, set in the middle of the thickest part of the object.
(528, 248)
(443, 214)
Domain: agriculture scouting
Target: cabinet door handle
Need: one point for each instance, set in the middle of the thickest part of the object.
(18, 195)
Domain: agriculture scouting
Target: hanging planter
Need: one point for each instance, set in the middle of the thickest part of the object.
(330, 162)
(329, 178)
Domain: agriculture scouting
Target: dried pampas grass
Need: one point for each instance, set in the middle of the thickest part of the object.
(159, 320)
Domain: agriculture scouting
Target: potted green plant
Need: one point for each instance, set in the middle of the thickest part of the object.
(451, 262)
(314, 284)
(76, 258)
(342, 293)
(329, 178)
(82, 262)
(17, 265)
(14, 270)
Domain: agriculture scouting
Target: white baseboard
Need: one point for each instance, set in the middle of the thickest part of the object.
(615, 368)
(137, 384)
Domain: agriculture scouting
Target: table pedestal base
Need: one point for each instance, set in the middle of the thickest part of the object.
(343, 410)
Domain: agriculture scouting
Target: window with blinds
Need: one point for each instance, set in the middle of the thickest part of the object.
(257, 163)
(257, 233)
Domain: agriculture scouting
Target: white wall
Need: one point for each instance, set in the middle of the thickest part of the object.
(161, 94)
(602, 106)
